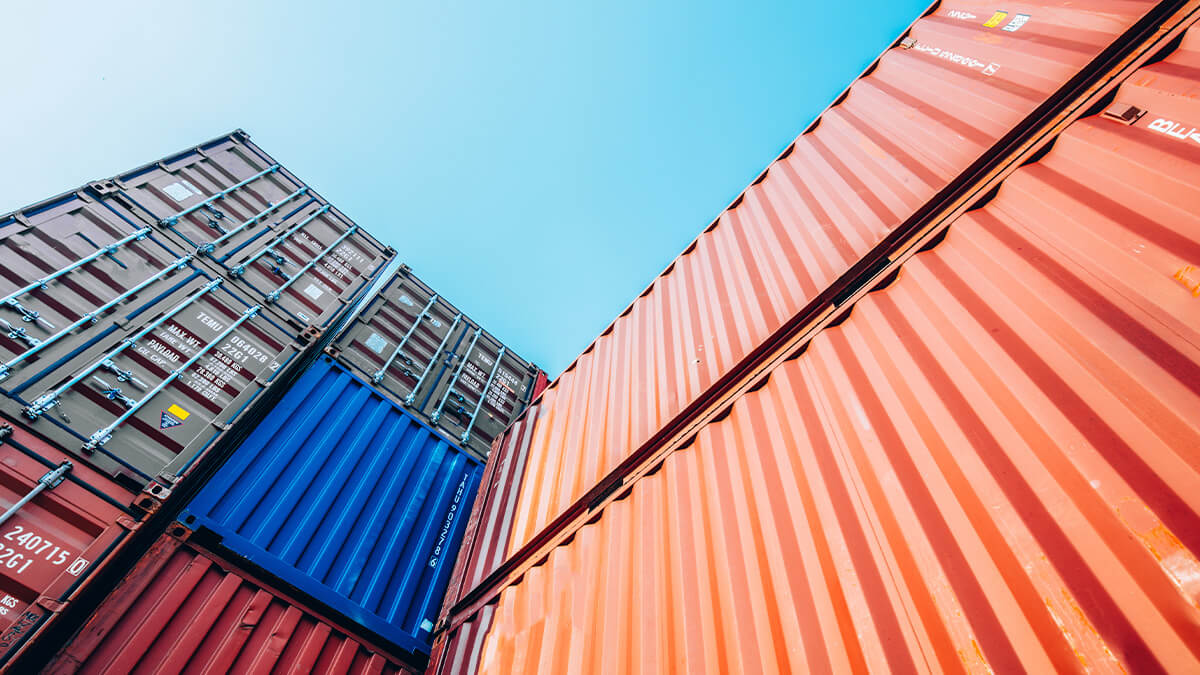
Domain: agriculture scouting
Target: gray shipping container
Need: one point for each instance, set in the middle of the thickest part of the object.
(68, 267)
(237, 209)
(428, 356)
(148, 393)
(142, 315)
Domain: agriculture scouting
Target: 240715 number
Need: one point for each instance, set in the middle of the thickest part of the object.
(27, 546)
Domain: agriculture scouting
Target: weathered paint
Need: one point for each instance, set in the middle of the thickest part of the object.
(344, 496)
(181, 609)
(902, 133)
(991, 464)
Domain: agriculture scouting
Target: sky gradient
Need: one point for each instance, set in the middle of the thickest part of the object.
(537, 163)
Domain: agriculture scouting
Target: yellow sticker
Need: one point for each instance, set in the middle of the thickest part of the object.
(178, 412)
(995, 20)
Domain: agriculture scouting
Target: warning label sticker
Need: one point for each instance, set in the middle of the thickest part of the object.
(172, 417)
(1016, 23)
(996, 19)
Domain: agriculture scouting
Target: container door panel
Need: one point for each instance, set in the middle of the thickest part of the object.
(485, 388)
(401, 340)
(70, 273)
(144, 401)
(255, 222)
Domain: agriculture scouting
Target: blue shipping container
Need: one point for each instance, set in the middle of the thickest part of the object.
(345, 496)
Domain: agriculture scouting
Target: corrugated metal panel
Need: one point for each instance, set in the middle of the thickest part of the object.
(70, 526)
(350, 500)
(235, 207)
(902, 133)
(182, 610)
(436, 362)
(143, 398)
(991, 464)
(491, 518)
(460, 654)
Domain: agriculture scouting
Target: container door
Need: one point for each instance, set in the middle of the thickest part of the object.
(485, 388)
(401, 340)
(246, 215)
(57, 525)
(71, 271)
(143, 401)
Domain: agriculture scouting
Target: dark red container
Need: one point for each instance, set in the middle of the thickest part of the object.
(74, 521)
(183, 610)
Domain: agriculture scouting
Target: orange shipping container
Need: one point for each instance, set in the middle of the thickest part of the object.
(992, 463)
(905, 131)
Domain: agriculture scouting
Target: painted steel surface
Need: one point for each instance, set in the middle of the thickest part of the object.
(236, 208)
(64, 521)
(69, 268)
(182, 610)
(436, 362)
(991, 465)
(143, 398)
(343, 495)
(486, 535)
(928, 109)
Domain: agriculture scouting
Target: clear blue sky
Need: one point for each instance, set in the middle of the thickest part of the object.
(538, 163)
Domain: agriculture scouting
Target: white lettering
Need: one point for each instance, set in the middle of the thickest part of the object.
(1175, 130)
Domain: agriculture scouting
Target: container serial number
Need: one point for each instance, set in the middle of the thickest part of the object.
(27, 546)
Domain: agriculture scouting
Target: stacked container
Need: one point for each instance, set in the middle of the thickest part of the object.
(183, 609)
(350, 494)
(439, 364)
(907, 405)
(146, 322)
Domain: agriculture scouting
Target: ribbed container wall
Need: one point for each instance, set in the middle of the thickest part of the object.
(443, 367)
(991, 465)
(902, 133)
(342, 495)
(183, 610)
(72, 522)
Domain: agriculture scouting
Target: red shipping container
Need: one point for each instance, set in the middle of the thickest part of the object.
(182, 610)
(74, 520)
